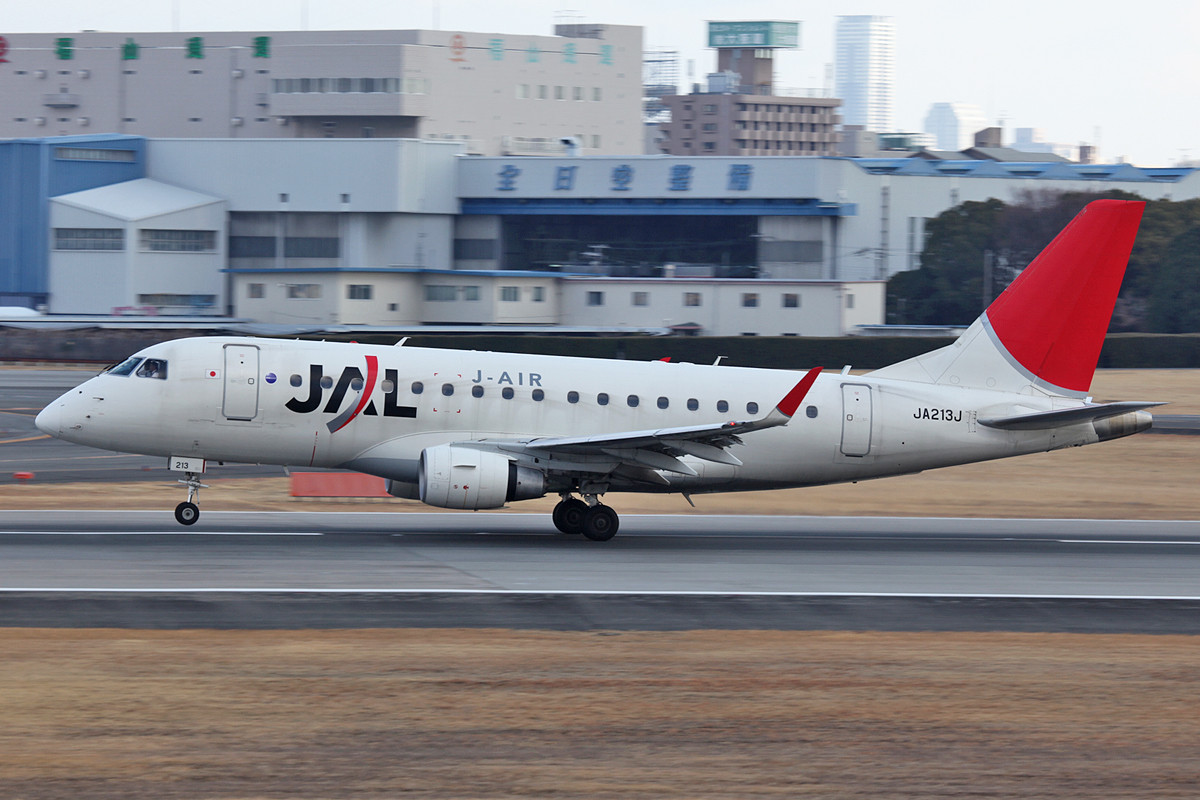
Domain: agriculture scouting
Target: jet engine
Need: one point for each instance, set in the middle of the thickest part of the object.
(453, 476)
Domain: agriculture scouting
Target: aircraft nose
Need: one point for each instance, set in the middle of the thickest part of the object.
(49, 419)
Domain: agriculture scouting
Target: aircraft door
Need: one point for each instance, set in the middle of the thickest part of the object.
(856, 419)
(241, 382)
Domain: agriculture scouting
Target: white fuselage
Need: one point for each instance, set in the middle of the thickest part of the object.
(301, 404)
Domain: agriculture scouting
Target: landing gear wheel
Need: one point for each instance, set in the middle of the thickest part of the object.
(568, 515)
(187, 513)
(600, 523)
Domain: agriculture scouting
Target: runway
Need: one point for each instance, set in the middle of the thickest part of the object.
(308, 569)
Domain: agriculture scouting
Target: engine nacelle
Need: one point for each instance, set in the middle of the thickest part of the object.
(463, 477)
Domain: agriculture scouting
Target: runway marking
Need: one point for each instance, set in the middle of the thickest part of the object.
(159, 533)
(1126, 541)
(596, 593)
(26, 439)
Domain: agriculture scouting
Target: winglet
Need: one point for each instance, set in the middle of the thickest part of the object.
(792, 400)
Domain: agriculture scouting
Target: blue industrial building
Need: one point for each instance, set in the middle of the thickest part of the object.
(31, 172)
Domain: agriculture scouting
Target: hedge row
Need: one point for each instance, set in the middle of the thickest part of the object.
(1129, 351)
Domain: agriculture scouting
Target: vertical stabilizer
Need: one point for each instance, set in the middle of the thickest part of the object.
(1048, 326)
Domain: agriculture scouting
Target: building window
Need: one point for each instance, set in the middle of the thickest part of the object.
(749, 299)
(94, 154)
(303, 291)
(849, 301)
(470, 292)
(89, 239)
(440, 293)
(708, 126)
(791, 300)
(359, 291)
(523, 91)
(510, 294)
(539, 294)
(256, 291)
(641, 299)
(691, 299)
(595, 298)
(596, 94)
(164, 241)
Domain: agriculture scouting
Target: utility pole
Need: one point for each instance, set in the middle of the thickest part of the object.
(988, 259)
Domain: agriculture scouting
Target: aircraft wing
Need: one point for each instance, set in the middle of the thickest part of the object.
(661, 448)
(1067, 416)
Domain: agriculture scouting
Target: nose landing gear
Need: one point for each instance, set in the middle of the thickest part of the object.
(187, 512)
(589, 517)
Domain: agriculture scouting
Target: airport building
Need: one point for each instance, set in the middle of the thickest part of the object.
(405, 232)
(494, 94)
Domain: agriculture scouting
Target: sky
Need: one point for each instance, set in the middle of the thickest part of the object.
(1123, 76)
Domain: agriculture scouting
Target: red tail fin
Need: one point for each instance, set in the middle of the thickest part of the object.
(1053, 317)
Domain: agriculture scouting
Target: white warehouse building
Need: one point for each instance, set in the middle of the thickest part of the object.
(407, 233)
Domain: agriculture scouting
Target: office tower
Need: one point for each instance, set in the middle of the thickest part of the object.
(865, 56)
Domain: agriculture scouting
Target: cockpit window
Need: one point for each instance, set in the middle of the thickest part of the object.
(153, 368)
(126, 367)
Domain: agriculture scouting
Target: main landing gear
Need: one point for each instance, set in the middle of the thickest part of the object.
(186, 513)
(589, 517)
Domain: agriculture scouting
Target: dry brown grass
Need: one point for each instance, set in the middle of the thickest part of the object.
(496, 714)
(703, 714)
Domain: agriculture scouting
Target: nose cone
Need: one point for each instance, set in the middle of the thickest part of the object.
(49, 419)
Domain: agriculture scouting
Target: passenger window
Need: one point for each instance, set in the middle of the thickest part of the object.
(295, 380)
(572, 397)
(153, 368)
(602, 399)
(722, 406)
(418, 387)
(326, 382)
(447, 389)
(387, 387)
(693, 404)
(125, 367)
(752, 407)
(663, 402)
(539, 395)
(811, 412)
(632, 400)
(507, 393)
(356, 384)
(477, 391)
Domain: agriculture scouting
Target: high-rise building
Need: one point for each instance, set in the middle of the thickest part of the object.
(954, 124)
(864, 74)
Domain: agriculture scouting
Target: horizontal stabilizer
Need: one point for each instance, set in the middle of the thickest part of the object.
(1067, 416)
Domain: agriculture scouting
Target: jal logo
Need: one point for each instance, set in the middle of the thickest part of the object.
(352, 382)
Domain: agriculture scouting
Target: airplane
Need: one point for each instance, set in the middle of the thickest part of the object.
(477, 430)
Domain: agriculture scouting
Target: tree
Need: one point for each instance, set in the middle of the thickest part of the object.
(1174, 303)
